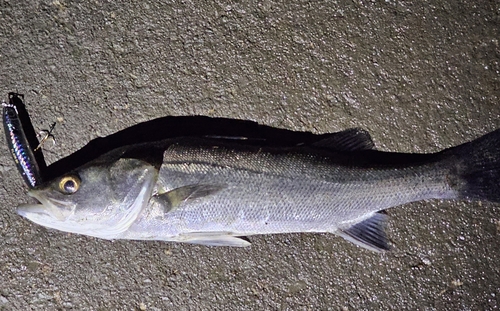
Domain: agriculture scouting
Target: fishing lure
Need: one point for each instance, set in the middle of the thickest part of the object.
(47, 135)
(22, 152)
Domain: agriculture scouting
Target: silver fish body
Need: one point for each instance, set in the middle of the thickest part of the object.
(265, 193)
(212, 192)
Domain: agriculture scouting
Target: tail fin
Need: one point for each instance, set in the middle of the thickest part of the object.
(479, 168)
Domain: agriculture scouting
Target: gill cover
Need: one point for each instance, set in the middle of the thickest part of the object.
(105, 203)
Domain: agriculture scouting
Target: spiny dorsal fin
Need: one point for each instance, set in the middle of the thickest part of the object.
(368, 233)
(355, 139)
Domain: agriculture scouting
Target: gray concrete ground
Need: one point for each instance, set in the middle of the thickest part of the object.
(420, 76)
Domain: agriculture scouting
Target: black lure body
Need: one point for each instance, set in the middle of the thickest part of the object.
(21, 140)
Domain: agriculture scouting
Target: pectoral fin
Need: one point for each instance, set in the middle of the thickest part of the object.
(368, 233)
(172, 199)
(215, 239)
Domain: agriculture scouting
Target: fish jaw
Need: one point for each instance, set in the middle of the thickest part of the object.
(48, 215)
(38, 214)
(54, 208)
(110, 222)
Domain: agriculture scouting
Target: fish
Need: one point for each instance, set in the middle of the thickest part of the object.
(22, 152)
(217, 191)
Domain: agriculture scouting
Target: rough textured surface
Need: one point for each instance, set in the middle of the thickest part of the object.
(420, 76)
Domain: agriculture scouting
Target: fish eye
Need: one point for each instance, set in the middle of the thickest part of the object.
(69, 184)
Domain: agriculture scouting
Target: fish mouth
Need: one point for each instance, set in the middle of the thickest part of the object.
(58, 209)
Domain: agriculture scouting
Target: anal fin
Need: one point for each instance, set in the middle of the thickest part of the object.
(368, 233)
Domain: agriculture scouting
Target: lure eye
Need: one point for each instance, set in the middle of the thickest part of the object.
(69, 184)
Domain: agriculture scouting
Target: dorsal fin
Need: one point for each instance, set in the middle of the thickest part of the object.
(355, 139)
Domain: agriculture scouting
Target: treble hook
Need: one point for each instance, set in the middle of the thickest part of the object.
(48, 134)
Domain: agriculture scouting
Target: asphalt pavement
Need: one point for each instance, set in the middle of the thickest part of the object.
(419, 76)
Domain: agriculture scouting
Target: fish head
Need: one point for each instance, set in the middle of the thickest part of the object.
(100, 199)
